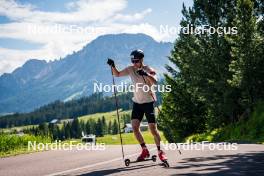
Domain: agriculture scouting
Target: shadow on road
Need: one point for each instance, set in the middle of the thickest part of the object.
(251, 163)
(124, 170)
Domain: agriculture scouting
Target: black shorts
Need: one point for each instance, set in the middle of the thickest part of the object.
(145, 108)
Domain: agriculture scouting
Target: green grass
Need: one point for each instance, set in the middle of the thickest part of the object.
(207, 136)
(18, 128)
(13, 144)
(246, 130)
(128, 138)
(109, 116)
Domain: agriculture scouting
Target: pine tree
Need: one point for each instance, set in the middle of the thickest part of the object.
(99, 128)
(43, 129)
(115, 127)
(109, 128)
(82, 126)
(75, 129)
(93, 126)
(88, 127)
(62, 131)
(68, 131)
(126, 118)
(248, 59)
(104, 126)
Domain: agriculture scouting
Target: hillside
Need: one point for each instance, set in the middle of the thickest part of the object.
(38, 82)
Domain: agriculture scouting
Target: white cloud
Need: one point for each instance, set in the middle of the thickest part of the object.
(83, 11)
(10, 57)
(133, 17)
(15, 11)
(62, 33)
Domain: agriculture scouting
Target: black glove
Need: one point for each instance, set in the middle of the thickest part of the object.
(111, 62)
(142, 72)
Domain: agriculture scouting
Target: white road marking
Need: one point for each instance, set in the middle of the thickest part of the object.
(93, 165)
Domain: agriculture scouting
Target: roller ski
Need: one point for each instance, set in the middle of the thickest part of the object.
(144, 156)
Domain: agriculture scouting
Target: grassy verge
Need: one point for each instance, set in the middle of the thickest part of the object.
(22, 146)
(250, 130)
(13, 144)
(128, 138)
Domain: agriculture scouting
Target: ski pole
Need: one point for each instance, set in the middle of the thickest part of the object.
(160, 112)
(117, 113)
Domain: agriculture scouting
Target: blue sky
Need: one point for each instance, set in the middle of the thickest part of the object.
(50, 29)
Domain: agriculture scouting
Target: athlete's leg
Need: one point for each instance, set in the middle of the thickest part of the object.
(136, 117)
(154, 131)
(136, 130)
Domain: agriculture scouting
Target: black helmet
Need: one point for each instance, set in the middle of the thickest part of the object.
(137, 54)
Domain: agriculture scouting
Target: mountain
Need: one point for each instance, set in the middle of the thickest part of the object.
(39, 82)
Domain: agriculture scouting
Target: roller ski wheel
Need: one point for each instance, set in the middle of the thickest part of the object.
(127, 162)
(165, 163)
(154, 158)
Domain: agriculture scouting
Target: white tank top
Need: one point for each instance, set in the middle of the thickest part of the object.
(141, 96)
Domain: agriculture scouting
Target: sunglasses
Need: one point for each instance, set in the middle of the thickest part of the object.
(135, 61)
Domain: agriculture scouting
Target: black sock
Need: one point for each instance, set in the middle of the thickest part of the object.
(158, 148)
(143, 145)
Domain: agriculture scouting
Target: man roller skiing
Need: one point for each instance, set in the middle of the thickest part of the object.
(143, 102)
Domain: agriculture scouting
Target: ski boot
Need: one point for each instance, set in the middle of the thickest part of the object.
(144, 154)
(163, 158)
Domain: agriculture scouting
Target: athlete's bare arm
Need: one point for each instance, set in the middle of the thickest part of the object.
(117, 73)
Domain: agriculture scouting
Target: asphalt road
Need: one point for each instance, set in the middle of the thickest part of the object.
(246, 159)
